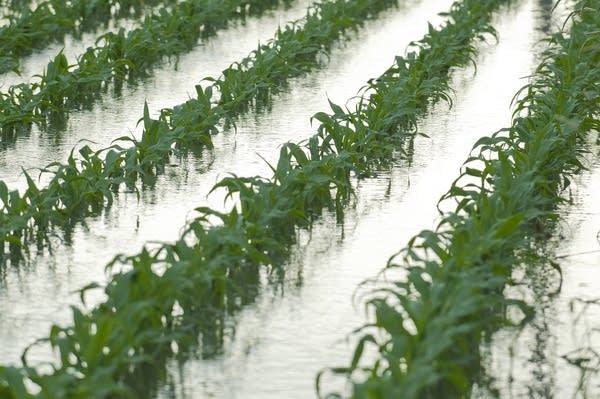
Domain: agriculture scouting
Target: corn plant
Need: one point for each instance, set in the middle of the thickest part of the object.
(117, 57)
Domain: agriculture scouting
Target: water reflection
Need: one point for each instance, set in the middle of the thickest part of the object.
(585, 358)
(55, 119)
(545, 15)
(52, 275)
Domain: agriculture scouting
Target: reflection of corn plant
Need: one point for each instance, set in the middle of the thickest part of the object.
(428, 326)
(181, 292)
(29, 29)
(118, 57)
(586, 357)
(193, 122)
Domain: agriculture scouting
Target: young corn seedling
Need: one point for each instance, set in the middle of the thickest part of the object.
(118, 57)
(29, 29)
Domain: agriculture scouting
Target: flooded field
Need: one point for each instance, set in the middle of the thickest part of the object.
(296, 319)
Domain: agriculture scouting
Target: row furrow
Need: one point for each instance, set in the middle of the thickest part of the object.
(29, 29)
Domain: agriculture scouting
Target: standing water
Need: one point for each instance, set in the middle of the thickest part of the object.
(281, 341)
(34, 296)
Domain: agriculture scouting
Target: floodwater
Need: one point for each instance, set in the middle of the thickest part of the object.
(578, 331)
(35, 296)
(295, 328)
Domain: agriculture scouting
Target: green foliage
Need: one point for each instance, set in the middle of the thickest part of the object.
(85, 185)
(12, 384)
(181, 292)
(429, 325)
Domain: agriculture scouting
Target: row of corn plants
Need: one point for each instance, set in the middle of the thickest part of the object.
(30, 29)
(13, 4)
(86, 185)
(427, 326)
(117, 57)
(165, 301)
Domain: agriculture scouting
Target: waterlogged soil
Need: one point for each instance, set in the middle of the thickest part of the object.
(34, 296)
(299, 325)
(577, 331)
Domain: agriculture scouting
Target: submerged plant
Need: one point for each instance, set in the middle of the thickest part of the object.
(49, 21)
